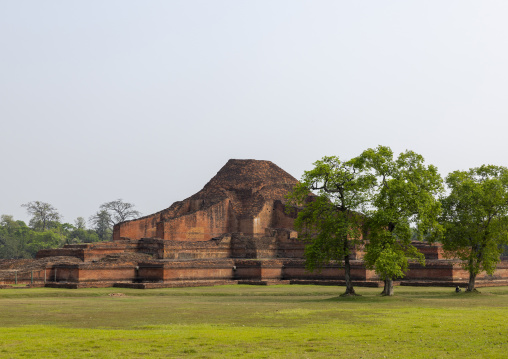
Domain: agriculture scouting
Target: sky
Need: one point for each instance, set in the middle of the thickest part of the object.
(146, 100)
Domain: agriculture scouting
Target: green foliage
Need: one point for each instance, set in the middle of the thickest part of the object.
(44, 215)
(102, 225)
(392, 200)
(44, 240)
(403, 207)
(80, 223)
(475, 218)
(389, 256)
(331, 234)
(79, 235)
(14, 238)
(111, 213)
(331, 222)
(17, 240)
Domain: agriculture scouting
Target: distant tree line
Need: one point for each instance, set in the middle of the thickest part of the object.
(46, 230)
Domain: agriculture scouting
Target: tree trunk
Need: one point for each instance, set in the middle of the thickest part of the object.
(347, 274)
(472, 279)
(388, 289)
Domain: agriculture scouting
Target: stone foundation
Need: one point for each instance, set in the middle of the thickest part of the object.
(158, 273)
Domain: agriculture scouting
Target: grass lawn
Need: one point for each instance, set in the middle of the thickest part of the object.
(253, 322)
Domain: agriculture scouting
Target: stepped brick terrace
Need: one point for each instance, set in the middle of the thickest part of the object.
(235, 230)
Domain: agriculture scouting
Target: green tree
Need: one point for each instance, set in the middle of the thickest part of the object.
(44, 215)
(17, 240)
(403, 205)
(80, 223)
(119, 211)
(101, 224)
(44, 240)
(331, 222)
(77, 234)
(475, 218)
(111, 213)
(14, 238)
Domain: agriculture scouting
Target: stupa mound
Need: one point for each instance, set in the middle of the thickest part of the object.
(245, 196)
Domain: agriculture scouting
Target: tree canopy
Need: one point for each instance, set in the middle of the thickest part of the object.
(111, 213)
(17, 240)
(373, 200)
(403, 204)
(120, 211)
(101, 223)
(475, 218)
(44, 215)
(331, 222)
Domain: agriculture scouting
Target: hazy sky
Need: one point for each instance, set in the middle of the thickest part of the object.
(147, 100)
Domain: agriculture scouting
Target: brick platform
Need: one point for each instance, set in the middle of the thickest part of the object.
(235, 230)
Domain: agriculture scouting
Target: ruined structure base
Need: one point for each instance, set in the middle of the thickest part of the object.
(337, 283)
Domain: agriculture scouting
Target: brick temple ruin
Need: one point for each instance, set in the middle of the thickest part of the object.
(235, 230)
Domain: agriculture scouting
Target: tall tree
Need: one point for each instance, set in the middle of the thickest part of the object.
(101, 224)
(403, 204)
(44, 215)
(331, 222)
(475, 218)
(80, 223)
(120, 211)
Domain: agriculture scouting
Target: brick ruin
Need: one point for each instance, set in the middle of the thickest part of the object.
(235, 230)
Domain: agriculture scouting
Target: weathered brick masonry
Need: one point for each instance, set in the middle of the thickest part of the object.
(235, 230)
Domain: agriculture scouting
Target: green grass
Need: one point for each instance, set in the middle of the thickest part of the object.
(253, 322)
